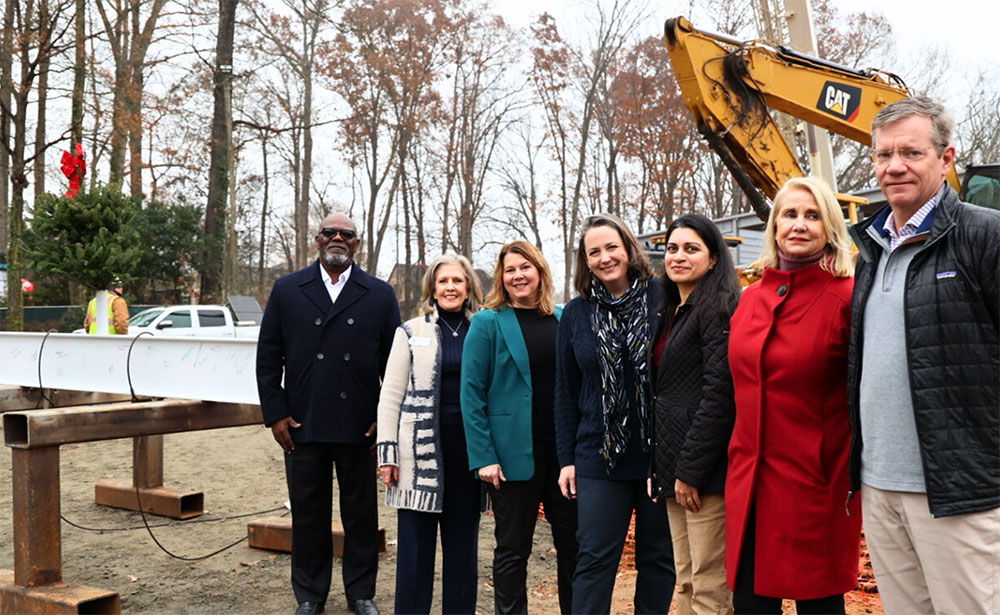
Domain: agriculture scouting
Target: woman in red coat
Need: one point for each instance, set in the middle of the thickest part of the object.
(791, 531)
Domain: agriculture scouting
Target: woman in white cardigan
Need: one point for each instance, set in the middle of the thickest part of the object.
(421, 444)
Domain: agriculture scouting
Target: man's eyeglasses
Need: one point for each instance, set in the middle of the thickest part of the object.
(906, 154)
(345, 234)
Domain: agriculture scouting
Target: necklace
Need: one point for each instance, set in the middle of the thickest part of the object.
(454, 331)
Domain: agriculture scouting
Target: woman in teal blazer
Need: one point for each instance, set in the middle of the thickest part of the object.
(508, 399)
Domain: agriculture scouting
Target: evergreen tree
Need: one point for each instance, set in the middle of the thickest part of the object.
(88, 239)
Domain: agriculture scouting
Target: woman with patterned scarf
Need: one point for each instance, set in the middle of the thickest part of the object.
(602, 411)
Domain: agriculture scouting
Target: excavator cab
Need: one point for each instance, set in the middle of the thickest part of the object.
(981, 185)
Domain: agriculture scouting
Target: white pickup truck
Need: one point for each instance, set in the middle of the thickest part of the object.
(191, 321)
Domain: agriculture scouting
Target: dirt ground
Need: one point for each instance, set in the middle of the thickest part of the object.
(241, 474)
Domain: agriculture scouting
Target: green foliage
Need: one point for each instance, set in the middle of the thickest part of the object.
(172, 239)
(89, 239)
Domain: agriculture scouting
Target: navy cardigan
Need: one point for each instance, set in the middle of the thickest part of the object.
(579, 411)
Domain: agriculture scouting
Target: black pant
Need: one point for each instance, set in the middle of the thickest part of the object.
(309, 471)
(459, 521)
(746, 602)
(515, 510)
(605, 512)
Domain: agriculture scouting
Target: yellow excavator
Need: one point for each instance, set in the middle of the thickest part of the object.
(731, 85)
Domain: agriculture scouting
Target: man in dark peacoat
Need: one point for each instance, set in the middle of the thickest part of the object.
(323, 346)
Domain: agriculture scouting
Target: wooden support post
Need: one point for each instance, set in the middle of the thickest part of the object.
(275, 534)
(147, 476)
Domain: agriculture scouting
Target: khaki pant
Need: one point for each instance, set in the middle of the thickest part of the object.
(700, 556)
(927, 565)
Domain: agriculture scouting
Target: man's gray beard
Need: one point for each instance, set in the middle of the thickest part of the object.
(336, 260)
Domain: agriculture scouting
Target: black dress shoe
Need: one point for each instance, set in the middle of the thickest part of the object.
(309, 608)
(363, 607)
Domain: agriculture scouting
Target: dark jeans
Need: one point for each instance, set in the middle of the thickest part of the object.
(605, 508)
(459, 521)
(515, 510)
(309, 471)
(746, 602)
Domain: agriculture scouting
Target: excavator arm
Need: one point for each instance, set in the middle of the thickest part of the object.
(730, 86)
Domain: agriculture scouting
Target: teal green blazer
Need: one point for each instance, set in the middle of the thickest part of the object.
(496, 394)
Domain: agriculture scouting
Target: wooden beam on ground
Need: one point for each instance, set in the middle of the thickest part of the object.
(275, 534)
(54, 427)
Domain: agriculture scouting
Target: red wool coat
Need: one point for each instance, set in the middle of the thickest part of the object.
(788, 455)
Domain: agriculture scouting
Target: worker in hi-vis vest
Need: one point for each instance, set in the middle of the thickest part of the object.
(117, 312)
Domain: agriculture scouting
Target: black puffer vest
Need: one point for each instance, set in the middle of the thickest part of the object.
(952, 307)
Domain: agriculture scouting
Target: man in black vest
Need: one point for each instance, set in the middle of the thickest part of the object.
(924, 364)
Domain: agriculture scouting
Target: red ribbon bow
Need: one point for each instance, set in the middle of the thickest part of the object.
(74, 168)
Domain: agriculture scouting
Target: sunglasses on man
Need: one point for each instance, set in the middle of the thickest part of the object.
(345, 234)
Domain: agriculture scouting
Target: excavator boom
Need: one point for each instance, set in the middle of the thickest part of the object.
(730, 86)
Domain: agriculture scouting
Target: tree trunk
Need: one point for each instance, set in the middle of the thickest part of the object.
(79, 74)
(133, 107)
(43, 92)
(218, 177)
(263, 219)
(6, 66)
(118, 36)
(302, 230)
(18, 180)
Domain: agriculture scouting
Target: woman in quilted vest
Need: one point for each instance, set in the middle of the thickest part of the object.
(421, 444)
(693, 408)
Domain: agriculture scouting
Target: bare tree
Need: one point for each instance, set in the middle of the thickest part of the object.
(296, 39)
(129, 36)
(482, 99)
(32, 40)
(979, 132)
(220, 167)
(519, 177)
(614, 25)
(6, 92)
(383, 65)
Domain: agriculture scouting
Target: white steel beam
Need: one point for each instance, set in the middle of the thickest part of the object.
(209, 369)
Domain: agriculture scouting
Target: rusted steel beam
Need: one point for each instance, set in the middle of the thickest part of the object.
(155, 500)
(55, 598)
(37, 541)
(275, 534)
(147, 461)
(13, 398)
(147, 476)
(41, 428)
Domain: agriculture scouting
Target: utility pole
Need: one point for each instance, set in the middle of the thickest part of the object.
(795, 18)
(802, 38)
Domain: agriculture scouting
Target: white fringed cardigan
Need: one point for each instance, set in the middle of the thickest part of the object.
(408, 416)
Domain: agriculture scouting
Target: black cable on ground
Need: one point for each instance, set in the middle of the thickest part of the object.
(149, 530)
(168, 524)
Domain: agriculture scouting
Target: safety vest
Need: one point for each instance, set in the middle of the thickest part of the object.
(92, 315)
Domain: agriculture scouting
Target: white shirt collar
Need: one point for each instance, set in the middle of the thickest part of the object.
(334, 288)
